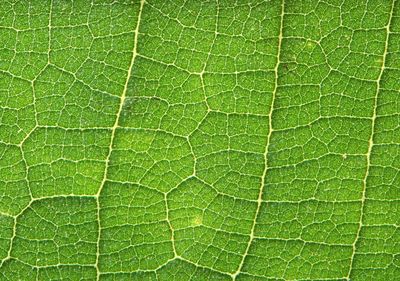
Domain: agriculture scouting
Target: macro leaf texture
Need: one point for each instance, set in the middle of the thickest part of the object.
(200, 140)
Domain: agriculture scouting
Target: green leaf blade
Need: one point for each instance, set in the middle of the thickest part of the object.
(199, 140)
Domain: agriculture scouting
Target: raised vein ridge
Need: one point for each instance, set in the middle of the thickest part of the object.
(114, 128)
(371, 141)
(260, 194)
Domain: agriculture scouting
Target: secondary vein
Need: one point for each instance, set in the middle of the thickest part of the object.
(261, 190)
(371, 141)
(113, 130)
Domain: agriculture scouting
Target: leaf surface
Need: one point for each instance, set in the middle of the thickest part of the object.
(200, 140)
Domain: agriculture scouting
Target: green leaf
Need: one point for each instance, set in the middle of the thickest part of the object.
(200, 140)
